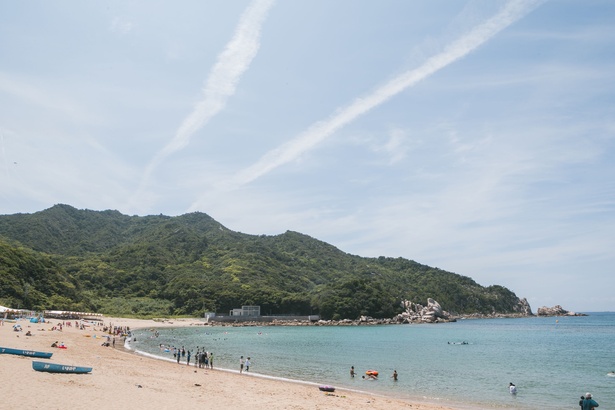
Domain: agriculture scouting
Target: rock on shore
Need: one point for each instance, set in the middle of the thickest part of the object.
(416, 313)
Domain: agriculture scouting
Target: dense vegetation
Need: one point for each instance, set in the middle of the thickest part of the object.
(64, 258)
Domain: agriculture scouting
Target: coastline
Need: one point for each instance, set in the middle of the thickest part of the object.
(121, 376)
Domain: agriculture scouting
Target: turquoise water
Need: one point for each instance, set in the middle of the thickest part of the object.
(552, 361)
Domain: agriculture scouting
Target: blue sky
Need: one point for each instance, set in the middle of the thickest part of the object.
(477, 137)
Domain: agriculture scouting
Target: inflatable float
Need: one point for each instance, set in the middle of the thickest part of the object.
(372, 373)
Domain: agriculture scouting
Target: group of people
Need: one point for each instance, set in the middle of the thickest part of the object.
(202, 358)
(372, 374)
(116, 330)
(244, 363)
(108, 341)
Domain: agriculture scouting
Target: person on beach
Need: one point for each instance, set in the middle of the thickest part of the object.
(352, 371)
(188, 358)
(247, 364)
(512, 388)
(589, 403)
(241, 363)
(394, 376)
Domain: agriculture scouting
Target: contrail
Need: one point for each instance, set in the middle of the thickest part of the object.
(319, 131)
(221, 83)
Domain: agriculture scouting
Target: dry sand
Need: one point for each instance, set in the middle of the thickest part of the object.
(124, 379)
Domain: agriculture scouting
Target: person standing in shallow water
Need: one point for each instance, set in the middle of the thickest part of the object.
(512, 388)
(394, 376)
(589, 403)
(351, 371)
(241, 363)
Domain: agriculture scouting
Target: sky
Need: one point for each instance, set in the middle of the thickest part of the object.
(473, 136)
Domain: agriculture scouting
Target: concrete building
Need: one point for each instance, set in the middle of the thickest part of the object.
(251, 311)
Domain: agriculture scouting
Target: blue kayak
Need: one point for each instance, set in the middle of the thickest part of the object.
(59, 368)
(21, 352)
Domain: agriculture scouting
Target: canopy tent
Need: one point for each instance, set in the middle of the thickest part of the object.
(70, 314)
(7, 311)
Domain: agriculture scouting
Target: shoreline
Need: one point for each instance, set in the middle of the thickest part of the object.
(120, 375)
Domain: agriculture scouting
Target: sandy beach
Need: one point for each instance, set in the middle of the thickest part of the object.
(124, 378)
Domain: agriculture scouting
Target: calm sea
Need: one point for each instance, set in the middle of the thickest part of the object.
(553, 361)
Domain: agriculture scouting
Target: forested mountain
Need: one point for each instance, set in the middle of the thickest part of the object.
(65, 258)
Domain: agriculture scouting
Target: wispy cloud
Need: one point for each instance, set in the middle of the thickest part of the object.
(318, 132)
(394, 147)
(121, 26)
(47, 97)
(221, 83)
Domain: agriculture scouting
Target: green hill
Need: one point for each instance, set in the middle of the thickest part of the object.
(117, 264)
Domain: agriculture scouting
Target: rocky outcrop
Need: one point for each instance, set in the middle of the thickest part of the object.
(556, 310)
(415, 313)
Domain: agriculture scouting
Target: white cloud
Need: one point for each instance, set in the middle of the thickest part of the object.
(121, 26)
(46, 97)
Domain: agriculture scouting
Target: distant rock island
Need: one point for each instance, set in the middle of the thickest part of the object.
(556, 310)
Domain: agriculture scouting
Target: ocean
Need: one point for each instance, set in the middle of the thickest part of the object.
(469, 363)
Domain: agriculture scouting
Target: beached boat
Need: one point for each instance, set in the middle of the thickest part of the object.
(21, 352)
(327, 388)
(59, 368)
